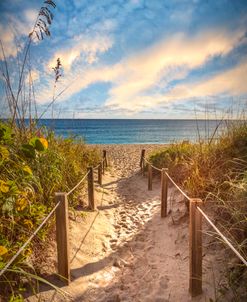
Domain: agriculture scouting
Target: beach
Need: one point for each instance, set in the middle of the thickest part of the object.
(125, 159)
(123, 151)
(124, 251)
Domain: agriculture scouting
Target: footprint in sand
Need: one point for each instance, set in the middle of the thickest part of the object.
(105, 247)
(143, 216)
(113, 240)
(113, 246)
(124, 225)
(141, 238)
(128, 232)
(116, 226)
(122, 212)
(160, 299)
(164, 282)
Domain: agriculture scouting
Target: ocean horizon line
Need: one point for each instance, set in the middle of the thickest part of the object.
(127, 119)
(135, 131)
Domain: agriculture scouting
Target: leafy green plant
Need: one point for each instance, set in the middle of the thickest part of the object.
(32, 169)
(34, 164)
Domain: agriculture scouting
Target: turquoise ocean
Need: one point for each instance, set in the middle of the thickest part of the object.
(133, 131)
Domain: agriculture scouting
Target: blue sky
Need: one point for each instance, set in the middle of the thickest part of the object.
(134, 58)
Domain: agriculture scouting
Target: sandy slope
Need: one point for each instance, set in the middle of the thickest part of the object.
(125, 251)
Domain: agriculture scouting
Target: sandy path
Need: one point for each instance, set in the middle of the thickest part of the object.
(125, 251)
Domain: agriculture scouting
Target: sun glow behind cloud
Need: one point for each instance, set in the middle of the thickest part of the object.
(169, 60)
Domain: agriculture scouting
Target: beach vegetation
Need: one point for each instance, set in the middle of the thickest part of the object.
(32, 168)
(34, 164)
(216, 172)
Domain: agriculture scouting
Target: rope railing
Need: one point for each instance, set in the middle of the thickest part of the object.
(177, 187)
(101, 163)
(61, 210)
(148, 162)
(171, 180)
(222, 236)
(84, 177)
(96, 167)
(195, 234)
(21, 249)
(78, 184)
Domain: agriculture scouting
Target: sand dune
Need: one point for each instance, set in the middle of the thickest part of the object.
(124, 251)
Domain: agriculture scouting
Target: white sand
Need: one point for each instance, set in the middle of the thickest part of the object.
(124, 251)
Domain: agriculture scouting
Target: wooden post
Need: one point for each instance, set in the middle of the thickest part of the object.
(105, 158)
(143, 167)
(164, 191)
(195, 245)
(150, 177)
(103, 167)
(142, 159)
(62, 235)
(100, 174)
(90, 182)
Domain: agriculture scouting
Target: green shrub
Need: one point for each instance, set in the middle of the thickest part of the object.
(33, 166)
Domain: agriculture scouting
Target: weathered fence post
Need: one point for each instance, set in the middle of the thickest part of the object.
(104, 162)
(103, 167)
(100, 174)
(142, 160)
(150, 177)
(164, 189)
(62, 235)
(90, 182)
(195, 244)
(143, 167)
(105, 158)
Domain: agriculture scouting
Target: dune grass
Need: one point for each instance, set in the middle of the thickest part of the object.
(33, 166)
(216, 171)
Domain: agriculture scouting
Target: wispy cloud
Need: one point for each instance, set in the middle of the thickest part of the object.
(229, 82)
(154, 68)
(135, 56)
(83, 49)
(14, 29)
(169, 60)
(7, 39)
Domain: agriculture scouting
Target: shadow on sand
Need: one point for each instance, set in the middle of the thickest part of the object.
(135, 183)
